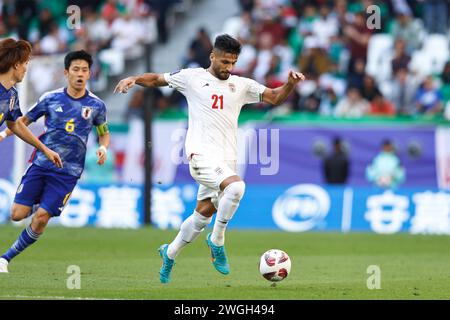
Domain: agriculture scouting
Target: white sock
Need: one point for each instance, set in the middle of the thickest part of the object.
(228, 205)
(189, 231)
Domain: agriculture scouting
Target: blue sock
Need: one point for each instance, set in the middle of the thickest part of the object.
(26, 238)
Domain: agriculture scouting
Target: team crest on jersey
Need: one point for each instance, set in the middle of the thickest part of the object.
(232, 87)
(11, 103)
(86, 112)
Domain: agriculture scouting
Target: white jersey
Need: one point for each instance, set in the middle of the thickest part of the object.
(214, 107)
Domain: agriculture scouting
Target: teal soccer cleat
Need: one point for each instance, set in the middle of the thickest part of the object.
(167, 264)
(218, 256)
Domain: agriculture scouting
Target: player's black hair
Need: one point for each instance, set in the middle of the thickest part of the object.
(386, 142)
(337, 141)
(228, 44)
(77, 55)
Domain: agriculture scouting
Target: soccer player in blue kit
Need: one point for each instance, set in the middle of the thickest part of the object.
(14, 58)
(70, 114)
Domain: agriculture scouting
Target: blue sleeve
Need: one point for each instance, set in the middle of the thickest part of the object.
(100, 118)
(14, 112)
(38, 109)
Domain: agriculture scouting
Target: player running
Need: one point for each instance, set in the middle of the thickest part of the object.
(215, 98)
(70, 113)
(14, 58)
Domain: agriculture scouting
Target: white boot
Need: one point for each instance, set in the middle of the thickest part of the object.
(3, 265)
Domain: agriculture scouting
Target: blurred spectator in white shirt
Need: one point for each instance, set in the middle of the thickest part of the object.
(409, 29)
(353, 105)
(53, 42)
(264, 57)
(325, 26)
(128, 35)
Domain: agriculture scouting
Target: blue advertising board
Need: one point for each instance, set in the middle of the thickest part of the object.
(292, 208)
(312, 207)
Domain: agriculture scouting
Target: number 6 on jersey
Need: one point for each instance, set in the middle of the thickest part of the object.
(70, 125)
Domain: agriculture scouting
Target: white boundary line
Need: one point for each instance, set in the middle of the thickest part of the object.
(54, 297)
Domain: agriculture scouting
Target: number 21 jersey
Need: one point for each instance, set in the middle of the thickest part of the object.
(214, 106)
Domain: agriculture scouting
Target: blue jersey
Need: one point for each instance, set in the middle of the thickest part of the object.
(68, 122)
(9, 105)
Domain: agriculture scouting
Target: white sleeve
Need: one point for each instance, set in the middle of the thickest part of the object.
(178, 80)
(254, 91)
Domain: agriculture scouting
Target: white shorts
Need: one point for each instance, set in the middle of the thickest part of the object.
(210, 173)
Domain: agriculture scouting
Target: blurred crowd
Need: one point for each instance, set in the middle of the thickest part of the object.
(51, 25)
(388, 61)
(356, 63)
(113, 31)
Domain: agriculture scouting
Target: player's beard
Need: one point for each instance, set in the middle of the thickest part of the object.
(223, 75)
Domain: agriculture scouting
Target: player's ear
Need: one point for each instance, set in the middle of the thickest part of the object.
(212, 56)
(66, 72)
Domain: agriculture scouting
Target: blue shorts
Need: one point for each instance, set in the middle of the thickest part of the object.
(51, 190)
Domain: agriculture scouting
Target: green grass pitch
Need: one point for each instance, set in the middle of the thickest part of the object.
(124, 264)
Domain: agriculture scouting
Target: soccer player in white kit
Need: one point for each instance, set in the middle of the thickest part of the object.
(215, 98)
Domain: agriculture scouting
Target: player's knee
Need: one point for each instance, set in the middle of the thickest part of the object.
(235, 190)
(18, 214)
(205, 209)
(40, 220)
(15, 216)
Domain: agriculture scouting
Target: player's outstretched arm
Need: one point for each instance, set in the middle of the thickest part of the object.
(278, 95)
(144, 80)
(20, 129)
(7, 132)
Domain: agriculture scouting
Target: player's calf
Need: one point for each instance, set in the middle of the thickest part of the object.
(40, 221)
(29, 235)
(232, 195)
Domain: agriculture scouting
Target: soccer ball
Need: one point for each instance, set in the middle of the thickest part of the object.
(275, 265)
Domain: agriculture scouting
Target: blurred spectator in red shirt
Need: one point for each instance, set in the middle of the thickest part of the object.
(381, 106)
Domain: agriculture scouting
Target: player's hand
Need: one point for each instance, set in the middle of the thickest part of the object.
(101, 154)
(53, 157)
(125, 84)
(295, 77)
(3, 135)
